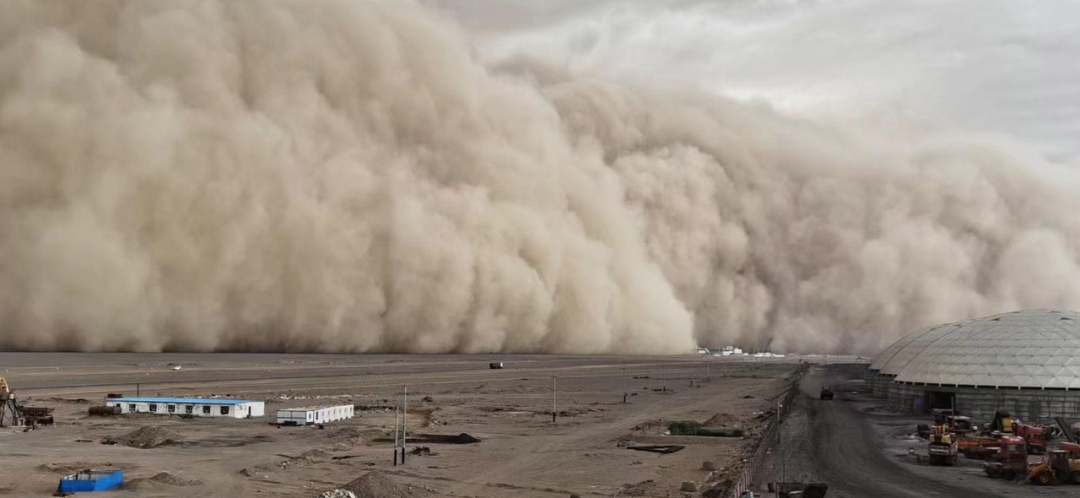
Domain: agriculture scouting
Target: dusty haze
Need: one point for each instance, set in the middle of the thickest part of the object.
(346, 176)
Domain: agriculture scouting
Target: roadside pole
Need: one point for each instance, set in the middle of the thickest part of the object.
(554, 395)
(397, 426)
(404, 423)
(624, 391)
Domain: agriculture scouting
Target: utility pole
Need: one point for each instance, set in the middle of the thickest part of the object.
(397, 427)
(708, 371)
(691, 374)
(624, 391)
(663, 375)
(554, 395)
(136, 389)
(779, 432)
(404, 424)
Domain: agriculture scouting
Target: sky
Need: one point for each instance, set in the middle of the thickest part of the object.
(1003, 68)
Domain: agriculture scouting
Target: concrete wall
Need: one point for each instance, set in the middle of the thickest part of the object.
(881, 385)
(1030, 405)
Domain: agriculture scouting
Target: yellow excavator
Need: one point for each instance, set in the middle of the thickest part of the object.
(4, 390)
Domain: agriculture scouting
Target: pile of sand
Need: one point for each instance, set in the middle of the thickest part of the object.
(314, 454)
(162, 480)
(377, 485)
(720, 420)
(147, 437)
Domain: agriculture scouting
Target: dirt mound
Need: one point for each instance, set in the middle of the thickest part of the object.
(162, 480)
(462, 438)
(146, 437)
(315, 454)
(643, 488)
(719, 420)
(377, 485)
(72, 467)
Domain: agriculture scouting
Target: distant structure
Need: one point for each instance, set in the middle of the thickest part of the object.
(1025, 363)
(194, 407)
(314, 415)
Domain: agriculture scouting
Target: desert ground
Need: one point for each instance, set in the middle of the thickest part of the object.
(520, 452)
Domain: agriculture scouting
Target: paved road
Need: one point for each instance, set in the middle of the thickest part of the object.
(848, 455)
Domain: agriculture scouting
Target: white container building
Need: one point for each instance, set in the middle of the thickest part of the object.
(314, 415)
(194, 407)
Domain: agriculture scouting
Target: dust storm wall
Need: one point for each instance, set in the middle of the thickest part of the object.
(348, 176)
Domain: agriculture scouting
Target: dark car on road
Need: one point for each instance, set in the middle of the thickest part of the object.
(826, 392)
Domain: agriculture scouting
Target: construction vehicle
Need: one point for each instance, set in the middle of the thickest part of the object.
(1057, 468)
(979, 447)
(1036, 436)
(943, 445)
(1010, 460)
(1067, 431)
(826, 392)
(1002, 422)
(495, 366)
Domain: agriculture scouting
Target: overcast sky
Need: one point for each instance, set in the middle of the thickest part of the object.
(975, 66)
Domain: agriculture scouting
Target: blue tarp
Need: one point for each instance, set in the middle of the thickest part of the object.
(91, 480)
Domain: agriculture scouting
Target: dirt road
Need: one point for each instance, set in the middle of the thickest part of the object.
(838, 443)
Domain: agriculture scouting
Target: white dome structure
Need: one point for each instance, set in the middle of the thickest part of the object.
(1026, 362)
(1024, 349)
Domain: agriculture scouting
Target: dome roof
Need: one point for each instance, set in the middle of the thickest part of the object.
(883, 358)
(904, 355)
(1029, 349)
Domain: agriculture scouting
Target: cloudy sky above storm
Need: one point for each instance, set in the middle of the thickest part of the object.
(1001, 67)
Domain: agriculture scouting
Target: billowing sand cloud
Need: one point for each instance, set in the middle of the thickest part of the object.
(346, 176)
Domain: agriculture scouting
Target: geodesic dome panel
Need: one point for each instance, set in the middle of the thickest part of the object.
(1028, 349)
(881, 359)
(905, 354)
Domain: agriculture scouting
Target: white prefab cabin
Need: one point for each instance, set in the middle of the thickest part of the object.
(192, 407)
(314, 415)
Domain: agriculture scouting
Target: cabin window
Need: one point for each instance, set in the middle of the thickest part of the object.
(172, 408)
(131, 407)
(153, 407)
(224, 410)
(189, 409)
(206, 410)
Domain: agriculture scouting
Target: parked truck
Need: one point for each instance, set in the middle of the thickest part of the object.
(943, 448)
(1010, 460)
(1036, 436)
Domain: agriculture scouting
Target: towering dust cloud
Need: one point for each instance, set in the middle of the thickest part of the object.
(345, 176)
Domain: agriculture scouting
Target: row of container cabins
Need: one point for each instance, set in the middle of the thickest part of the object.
(231, 408)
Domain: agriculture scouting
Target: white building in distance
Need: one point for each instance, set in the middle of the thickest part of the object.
(314, 415)
(193, 407)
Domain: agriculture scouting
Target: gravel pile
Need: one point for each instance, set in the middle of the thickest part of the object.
(147, 437)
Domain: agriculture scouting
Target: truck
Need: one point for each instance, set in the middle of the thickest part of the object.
(943, 445)
(826, 392)
(1036, 436)
(1010, 460)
